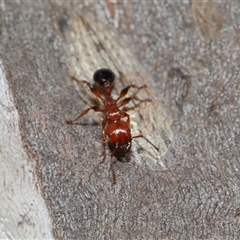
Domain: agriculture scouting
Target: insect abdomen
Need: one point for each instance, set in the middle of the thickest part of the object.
(119, 133)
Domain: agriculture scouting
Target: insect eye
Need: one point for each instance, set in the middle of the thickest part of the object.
(103, 75)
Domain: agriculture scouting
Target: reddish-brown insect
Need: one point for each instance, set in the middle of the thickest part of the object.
(116, 123)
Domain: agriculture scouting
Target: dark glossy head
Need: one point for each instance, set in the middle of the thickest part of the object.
(103, 76)
(121, 152)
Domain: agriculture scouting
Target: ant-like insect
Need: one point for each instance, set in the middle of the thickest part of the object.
(114, 127)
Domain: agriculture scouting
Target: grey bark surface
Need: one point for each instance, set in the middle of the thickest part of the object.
(191, 52)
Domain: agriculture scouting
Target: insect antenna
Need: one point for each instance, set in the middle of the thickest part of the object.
(141, 136)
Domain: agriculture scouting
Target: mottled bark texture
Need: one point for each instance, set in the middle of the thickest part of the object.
(190, 51)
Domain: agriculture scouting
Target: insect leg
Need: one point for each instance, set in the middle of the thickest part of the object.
(125, 90)
(114, 177)
(104, 137)
(141, 136)
(127, 100)
(93, 88)
(95, 108)
(113, 173)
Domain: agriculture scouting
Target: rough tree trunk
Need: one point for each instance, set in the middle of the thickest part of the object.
(52, 184)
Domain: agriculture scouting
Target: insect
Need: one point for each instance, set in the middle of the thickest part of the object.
(116, 123)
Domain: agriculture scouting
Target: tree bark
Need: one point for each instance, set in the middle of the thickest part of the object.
(190, 56)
